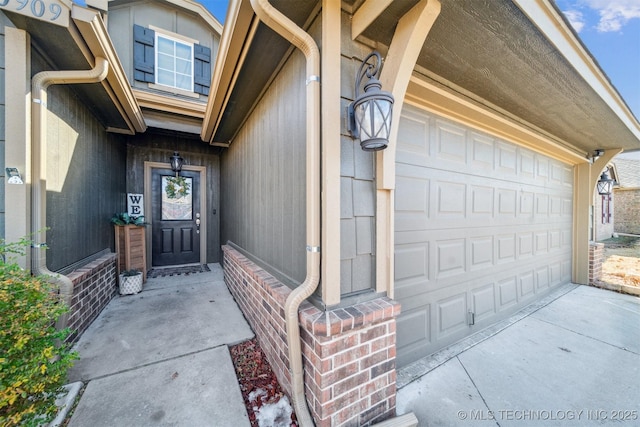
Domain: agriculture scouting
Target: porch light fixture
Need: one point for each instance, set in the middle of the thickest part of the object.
(605, 184)
(369, 114)
(176, 162)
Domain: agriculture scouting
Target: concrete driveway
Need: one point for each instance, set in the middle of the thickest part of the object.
(571, 360)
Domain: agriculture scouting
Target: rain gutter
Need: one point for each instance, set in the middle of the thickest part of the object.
(278, 22)
(39, 85)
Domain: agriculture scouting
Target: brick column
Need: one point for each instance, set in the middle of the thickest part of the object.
(596, 258)
(349, 353)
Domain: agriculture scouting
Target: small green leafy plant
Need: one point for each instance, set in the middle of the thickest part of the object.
(130, 273)
(33, 356)
(126, 219)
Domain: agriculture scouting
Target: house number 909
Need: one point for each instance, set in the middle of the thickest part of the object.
(36, 7)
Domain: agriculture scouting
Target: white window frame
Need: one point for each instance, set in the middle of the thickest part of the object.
(161, 34)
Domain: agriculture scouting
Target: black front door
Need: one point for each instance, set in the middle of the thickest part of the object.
(176, 217)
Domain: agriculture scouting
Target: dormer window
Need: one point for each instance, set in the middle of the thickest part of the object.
(174, 63)
(167, 60)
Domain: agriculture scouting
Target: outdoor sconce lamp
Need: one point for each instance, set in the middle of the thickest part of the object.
(369, 115)
(605, 184)
(176, 163)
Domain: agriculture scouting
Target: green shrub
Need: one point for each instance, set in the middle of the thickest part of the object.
(33, 362)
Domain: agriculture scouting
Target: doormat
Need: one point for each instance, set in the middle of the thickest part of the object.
(177, 271)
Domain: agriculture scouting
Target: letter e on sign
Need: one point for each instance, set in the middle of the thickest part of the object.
(135, 204)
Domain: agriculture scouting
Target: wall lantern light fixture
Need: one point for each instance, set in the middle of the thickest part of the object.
(176, 163)
(369, 114)
(605, 184)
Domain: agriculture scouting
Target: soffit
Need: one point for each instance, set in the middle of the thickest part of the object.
(65, 49)
(491, 51)
(264, 55)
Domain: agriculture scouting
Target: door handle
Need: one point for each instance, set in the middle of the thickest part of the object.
(198, 223)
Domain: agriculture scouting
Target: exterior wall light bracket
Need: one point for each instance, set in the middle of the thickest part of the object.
(176, 163)
(369, 115)
(592, 157)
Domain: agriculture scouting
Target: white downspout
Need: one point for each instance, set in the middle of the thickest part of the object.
(278, 22)
(39, 84)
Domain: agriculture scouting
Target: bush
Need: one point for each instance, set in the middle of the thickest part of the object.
(33, 359)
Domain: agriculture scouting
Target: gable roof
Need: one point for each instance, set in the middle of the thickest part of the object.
(190, 5)
(628, 172)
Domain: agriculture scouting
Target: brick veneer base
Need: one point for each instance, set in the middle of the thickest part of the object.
(94, 285)
(349, 353)
(626, 213)
(596, 258)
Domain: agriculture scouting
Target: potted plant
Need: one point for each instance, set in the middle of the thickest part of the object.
(130, 243)
(130, 282)
(125, 219)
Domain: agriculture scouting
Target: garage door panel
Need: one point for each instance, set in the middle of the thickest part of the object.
(451, 258)
(413, 334)
(542, 277)
(507, 159)
(482, 226)
(414, 291)
(450, 143)
(451, 199)
(452, 314)
(452, 252)
(482, 153)
(411, 203)
(508, 291)
(527, 285)
(455, 203)
(483, 301)
(413, 139)
(482, 200)
(481, 252)
(555, 273)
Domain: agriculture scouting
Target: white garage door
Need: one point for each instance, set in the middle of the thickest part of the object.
(482, 228)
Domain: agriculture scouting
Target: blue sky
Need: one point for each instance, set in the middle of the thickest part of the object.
(611, 31)
(609, 28)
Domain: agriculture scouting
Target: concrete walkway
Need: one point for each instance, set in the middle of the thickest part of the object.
(161, 358)
(573, 362)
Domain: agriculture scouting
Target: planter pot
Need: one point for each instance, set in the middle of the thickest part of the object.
(131, 248)
(130, 285)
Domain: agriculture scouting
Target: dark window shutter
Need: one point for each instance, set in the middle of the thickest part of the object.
(201, 69)
(144, 62)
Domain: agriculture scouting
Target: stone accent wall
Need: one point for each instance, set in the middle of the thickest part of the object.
(627, 211)
(596, 258)
(349, 353)
(94, 285)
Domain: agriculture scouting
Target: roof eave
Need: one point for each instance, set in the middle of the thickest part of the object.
(94, 32)
(233, 45)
